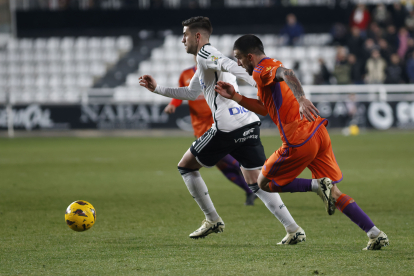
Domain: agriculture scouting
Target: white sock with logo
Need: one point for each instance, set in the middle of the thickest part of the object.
(274, 203)
(199, 191)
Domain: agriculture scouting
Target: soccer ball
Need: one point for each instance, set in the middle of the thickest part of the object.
(80, 215)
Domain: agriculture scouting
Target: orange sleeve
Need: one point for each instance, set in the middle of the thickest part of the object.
(269, 72)
(176, 102)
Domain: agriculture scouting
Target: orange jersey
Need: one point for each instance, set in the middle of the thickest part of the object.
(282, 105)
(200, 112)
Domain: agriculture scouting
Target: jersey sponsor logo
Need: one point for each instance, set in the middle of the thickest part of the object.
(238, 110)
(271, 70)
(247, 132)
(241, 140)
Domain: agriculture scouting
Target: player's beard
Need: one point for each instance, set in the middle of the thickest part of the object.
(249, 69)
(192, 48)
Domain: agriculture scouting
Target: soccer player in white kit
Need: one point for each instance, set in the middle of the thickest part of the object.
(235, 131)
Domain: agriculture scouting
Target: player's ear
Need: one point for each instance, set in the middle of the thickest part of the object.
(250, 57)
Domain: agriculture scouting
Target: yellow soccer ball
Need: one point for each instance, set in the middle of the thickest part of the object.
(80, 215)
(354, 129)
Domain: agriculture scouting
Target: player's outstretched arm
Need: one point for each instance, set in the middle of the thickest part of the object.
(182, 93)
(227, 91)
(306, 108)
(148, 82)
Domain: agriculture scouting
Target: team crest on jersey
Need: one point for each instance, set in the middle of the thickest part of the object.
(215, 59)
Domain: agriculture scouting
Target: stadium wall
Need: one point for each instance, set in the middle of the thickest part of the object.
(378, 114)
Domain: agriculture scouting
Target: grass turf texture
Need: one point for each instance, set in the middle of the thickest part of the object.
(145, 213)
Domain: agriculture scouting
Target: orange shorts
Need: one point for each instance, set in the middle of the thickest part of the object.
(287, 163)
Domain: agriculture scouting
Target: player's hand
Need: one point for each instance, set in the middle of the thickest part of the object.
(169, 109)
(148, 82)
(307, 109)
(225, 89)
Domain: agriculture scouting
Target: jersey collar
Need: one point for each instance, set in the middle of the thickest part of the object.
(263, 59)
(203, 46)
(259, 68)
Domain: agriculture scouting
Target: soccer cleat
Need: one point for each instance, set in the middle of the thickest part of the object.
(294, 238)
(250, 199)
(378, 242)
(208, 227)
(324, 192)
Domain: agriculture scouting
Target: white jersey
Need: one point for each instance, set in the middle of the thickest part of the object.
(213, 66)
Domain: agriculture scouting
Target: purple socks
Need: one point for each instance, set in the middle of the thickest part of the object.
(298, 185)
(354, 212)
(231, 169)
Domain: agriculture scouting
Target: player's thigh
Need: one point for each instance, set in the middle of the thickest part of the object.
(324, 164)
(248, 149)
(287, 163)
(189, 161)
(210, 148)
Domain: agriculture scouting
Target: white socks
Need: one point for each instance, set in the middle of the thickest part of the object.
(373, 233)
(276, 206)
(198, 190)
(315, 185)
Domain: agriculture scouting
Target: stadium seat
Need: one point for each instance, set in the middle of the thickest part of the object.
(81, 43)
(132, 80)
(124, 43)
(85, 81)
(25, 44)
(94, 43)
(69, 80)
(40, 44)
(13, 56)
(67, 43)
(298, 53)
(41, 81)
(284, 53)
(145, 67)
(53, 44)
(12, 45)
(71, 95)
(307, 79)
(110, 56)
(108, 42)
(97, 69)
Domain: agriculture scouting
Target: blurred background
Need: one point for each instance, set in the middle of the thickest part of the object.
(74, 64)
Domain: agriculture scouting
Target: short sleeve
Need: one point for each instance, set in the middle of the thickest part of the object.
(269, 72)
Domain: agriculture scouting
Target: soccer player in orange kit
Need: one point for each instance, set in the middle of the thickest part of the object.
(306, 142)
(202, 119)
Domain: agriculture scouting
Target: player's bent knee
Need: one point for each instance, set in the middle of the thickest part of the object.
(263, 182)
(184, 170)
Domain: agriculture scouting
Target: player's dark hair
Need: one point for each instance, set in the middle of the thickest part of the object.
(249, 44)
(197, 23)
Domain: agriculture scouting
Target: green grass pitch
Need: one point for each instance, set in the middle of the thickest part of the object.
(145, 213)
